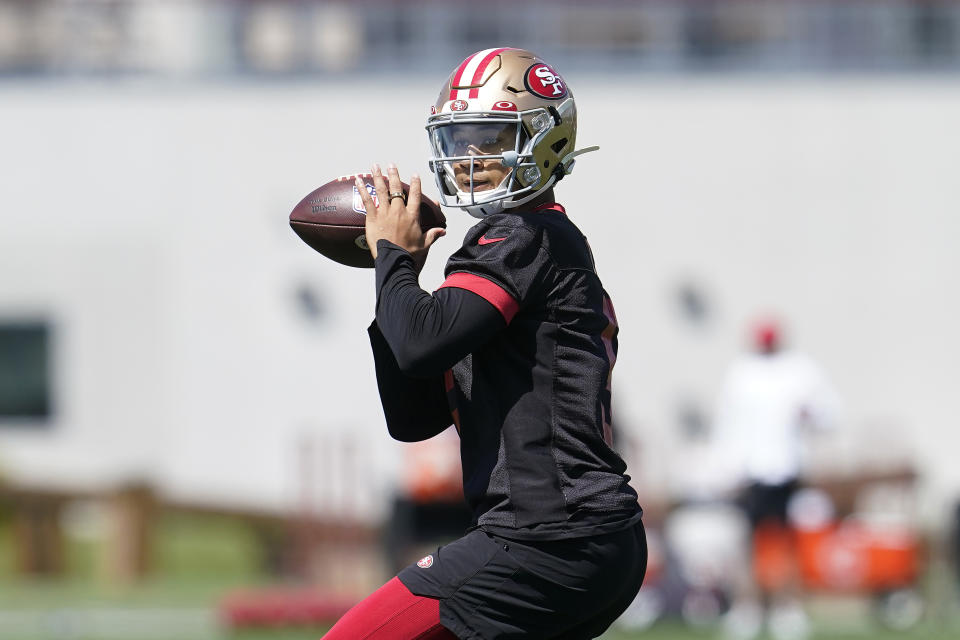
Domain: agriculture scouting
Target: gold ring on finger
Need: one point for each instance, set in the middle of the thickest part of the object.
(397, 194)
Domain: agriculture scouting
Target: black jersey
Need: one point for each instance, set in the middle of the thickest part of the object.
(516, 348)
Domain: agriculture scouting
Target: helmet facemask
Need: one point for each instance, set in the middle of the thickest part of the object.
(468, 149)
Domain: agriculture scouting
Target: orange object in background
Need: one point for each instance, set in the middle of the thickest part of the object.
(432, 472)
(855, 556)
(852, 556)
(774, 556)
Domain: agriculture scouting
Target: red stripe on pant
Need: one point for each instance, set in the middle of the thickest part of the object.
(392, 613)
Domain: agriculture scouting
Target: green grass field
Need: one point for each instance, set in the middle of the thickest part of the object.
(175, 611)
(186, 610)
(190, 626)
(199, 560)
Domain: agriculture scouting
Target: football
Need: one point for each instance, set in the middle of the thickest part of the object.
(331, 219)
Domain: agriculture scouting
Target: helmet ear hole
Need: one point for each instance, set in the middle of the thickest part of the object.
(559, 145)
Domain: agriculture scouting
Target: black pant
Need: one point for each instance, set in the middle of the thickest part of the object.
(491, 587)
(767, 502)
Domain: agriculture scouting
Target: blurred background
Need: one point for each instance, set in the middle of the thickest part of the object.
(191, 442)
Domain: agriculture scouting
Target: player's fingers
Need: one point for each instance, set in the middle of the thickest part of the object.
(432, 236)
(393, 176)
(383, 198)
(413, 198)
(368, 203)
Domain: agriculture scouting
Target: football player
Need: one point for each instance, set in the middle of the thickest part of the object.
(515, 350)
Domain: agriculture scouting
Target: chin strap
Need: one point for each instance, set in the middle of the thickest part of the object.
(569, 160)
(511, 204)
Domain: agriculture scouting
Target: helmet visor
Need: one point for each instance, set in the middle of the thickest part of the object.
(476, 138)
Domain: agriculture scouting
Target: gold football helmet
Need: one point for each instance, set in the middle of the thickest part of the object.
(502, 131)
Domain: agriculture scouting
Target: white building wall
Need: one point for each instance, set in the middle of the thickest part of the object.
(150, 224)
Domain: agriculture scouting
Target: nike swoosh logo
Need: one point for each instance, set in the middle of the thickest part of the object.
(485, 240)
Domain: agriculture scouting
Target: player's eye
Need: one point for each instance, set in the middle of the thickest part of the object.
(470, 138)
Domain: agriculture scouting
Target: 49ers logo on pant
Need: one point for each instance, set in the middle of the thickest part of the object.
(545, 82)
(425, 562)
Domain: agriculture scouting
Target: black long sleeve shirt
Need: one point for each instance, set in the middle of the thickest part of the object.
(516, 349)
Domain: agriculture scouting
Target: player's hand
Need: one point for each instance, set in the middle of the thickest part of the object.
(394, 219)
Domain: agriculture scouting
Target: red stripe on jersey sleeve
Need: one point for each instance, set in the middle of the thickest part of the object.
(486, 289)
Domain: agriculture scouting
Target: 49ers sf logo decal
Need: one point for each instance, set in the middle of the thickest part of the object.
(425, 562)
(545, 82)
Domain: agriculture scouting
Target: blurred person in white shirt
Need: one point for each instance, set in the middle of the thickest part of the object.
(771, 398)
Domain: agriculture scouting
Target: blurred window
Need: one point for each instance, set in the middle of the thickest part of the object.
(25, 370)
(287, 37)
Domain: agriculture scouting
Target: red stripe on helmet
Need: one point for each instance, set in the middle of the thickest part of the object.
(458, 77)
(478, 74)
